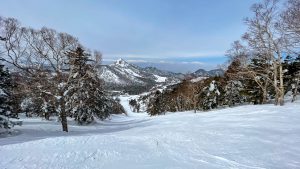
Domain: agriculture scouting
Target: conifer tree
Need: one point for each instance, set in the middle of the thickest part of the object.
(5, 98)
(292, 73)
(156, 104)
(233, 93)
(85, 97)
(234, 85)
(209, 96)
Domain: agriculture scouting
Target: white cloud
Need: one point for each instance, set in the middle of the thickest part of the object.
(169, 55)
(193, 62)
(137, 61)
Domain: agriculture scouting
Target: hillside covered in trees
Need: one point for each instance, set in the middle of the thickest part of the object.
(263, 67)
(63, 106)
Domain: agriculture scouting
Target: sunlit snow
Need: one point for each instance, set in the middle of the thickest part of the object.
(262, 136)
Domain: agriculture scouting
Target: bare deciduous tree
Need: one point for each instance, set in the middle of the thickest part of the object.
(290, 24)
(241, 67)
(41, 54)
(264, 37)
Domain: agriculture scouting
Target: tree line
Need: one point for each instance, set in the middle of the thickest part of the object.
(52, 75)
(262, 66)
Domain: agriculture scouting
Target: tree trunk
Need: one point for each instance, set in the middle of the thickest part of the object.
(47, 116)
(281, 87)
(194, 102)
(275, 83)
(295, 90)
(62, 103)
(264, 100)
(63, 115)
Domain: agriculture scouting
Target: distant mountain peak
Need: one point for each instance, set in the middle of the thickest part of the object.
(200, 71)
(121, 62)
(122, 74)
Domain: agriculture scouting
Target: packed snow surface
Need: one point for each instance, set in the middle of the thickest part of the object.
(247, 137)
(160, 79)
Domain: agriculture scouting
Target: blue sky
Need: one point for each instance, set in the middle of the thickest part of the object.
(177, 35)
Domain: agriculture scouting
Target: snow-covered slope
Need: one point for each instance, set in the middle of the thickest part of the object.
(121, 73)
(160, 79)
(246, 137)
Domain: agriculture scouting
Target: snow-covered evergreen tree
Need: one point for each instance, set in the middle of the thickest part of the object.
(134, 105)
(257, 83)
(27, 106)
(85, 97)
(232, 94)
(209, 96)
(234, 84)
(156, 105)
(291, 67)
(5, 98)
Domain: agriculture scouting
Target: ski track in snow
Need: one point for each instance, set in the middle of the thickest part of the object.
(247, 137)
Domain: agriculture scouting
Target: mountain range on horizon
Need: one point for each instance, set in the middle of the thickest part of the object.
(122, 74)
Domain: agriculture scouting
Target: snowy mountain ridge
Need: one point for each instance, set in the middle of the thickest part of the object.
(123, 73)
(124, 76)
(204, 73)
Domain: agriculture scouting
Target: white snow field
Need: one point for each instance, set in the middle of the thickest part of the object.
(246, 137)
